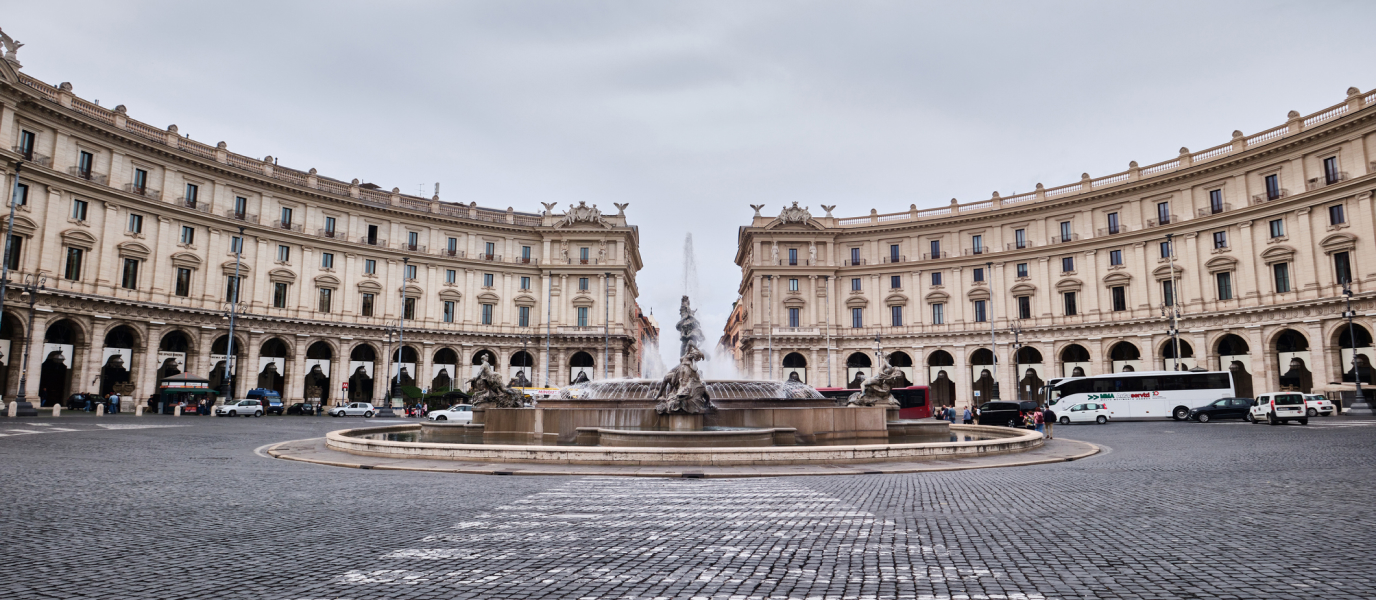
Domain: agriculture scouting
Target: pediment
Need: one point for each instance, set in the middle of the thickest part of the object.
(1278, 254)
(1220, 263)
(287, 276)
(78, 238)
(582, 300)
(24, 226)
(794, 302)
(1069, 284)
(450, 294)
(1163, 272)
(366, 286)
(411, 291)
(857, 302)
(938, 296)
(524, 300)
(186, 259)
(1338, 242)
(133, 249)
(780, 225)
(979, 293)
(895, 298)
(489, 298)
(1116, 279)
(327, 281)
(1023, 289)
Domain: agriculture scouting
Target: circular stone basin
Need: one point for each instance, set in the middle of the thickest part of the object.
(729, 438)
(370, 441)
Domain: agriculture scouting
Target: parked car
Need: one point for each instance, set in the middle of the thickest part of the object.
(1318, 404)
(1006, 414)
(301, 408)
(1223, 408)
(459, 412)
(241, 407)
(1089, 412)
(354, 409)
(269, 399)
(1279, 407)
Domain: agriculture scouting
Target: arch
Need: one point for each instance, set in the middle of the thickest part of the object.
(281, 275)
(1289, 340)
(175, 341)
(1028, 355)
(173, 349)
(1354, 363)
(363, 352)
(1074, 353)
(316, 384)
(64, 331)
(321, 350)
(186, 259)
(1230, 344)
(793, 360)
(405, 354)
(937, 297)
(122, 336)
(859, 360)
(521, 358)
(1168, 349)
(1069, 284)
(1220, 263)
(362, 372)
(444, 369)
(1234, 356)
(275, 348)
(271, 369)
(60, 342)
(940, 358)
(581, 300)
(1293, 361)
(405, 362)
(133, 249)
(524, 300)
(446, 356)
(117, 359)
(411, 291)
(78, 238)
(1344, 336)
(982, 356)
(1124, 351)
(581, 367)
(900, 359)
(858, 367)
(491, 357)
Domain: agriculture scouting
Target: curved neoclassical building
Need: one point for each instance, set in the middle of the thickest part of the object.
(1264, 230)
(138, 231)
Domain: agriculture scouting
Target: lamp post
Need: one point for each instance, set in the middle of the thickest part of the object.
(525, 349)
(878, 353)
(993, 336)
(24, 410)
(606, 324)
(32, 284)
(1171, 309)
(826, 309)
(1351, 336)
(1016, 329)
(395, 394)
(227, 386)
(769, 323)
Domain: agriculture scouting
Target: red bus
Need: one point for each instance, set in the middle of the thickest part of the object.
(914, 402)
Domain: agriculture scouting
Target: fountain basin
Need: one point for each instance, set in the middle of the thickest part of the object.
(553, 423)
(733, 438)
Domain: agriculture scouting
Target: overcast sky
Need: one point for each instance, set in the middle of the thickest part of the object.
(690, 111)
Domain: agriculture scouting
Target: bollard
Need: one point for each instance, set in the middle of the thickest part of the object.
(14, 409)
(57, 410)
(100, 410)
(138, 410)
(177, 412)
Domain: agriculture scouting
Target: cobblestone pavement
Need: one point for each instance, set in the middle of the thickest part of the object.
(112, 508)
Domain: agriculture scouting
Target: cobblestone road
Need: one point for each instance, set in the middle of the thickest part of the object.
(113, 508)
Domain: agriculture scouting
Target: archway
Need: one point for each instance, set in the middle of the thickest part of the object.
(59, 349)
(362, 367)
(403, 367)
(219, 351)
(1185, 362)
(172, 351)
(446, 368)
(1126, 357)
(983, 387)
(1075, 361)
(522, 364)
(1235, 357)
(11, 331)
(1028, 369)
(1359, 351)
(1292, 362)
(272, 366)
(581, 367)
(117, 360)
(858, 367)
(794, 367)
(317, 382)
(904, 363)
(940, 367)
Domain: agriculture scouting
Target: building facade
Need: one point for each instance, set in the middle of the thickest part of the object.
(1251, 241)
(139, 233)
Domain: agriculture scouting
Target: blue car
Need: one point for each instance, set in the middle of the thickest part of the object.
(270, 399)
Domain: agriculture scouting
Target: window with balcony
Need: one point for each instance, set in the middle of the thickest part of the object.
(451, 276)
(980, 315)
(232, 285)
(1165, 249)
(935, 246)
(236, 244)
(1282, 273)
(895, 282)
(936, 278)
(79, 209)
(855, 284)
(1065, 231)
(1225, 285)
(188, 235)
(1112, 223)
(279, 295)
(894, 255)
(449, 311)
(1277, 228)
(896, 316)
(1336, 216)
(1273, 187)
(240, 207)
(525, 253)
(1068, 299)
(1068, 264)
(412, 240)
(84, 163)
(1024, 307)
(1020, 238)
(525, 283)
(135, 223)
(283, 253)
(977, 275)
(325, 301)
(371, 237)
(193, 193)
(1167, 293)
(286, 217)
(408, 308)
(411, 272)
(327, 260)
(330, 224)
(938, 314)
(130, 278)
(793, 317)
(1342, 266)
(857, 318)
(1120, 298)
(792, 256)
(977, 244)
(140, 181)
(365, 307)
(582, 284)
(14, 251)
(854, 256)
(489, 279)
(71, 270)
(792, 285)
(369, 266)
(1022, 269)
(183, 287)
(583, 255)
(523, 316)
(1163, 213)
(27, 140)
(451, 246)
(582, 316)
(21, 194)
(1331, 174)
(1115, 258)
(1220, 240)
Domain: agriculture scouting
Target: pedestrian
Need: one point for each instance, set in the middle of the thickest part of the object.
(1049, 417)
(1037, 420)
(1028, 422)
(114, 403)
(969, 418)
(88, 402)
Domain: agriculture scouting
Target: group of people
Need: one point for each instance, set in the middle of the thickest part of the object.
(111, 402)
(949, 413)
(1041, 419)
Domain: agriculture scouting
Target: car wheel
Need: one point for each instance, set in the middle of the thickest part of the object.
(1181, 413)
(1102, 420)
(368, 415)
(1304, 421)
(1203, 417)
(1012, 423)
(441, 418)
(1311, 413)
(257, 413)
(1065, 420)
(1247, 417)
(233, 413)
(1271, 419)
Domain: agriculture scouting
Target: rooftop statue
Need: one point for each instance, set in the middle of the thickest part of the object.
(875, 390)
(689, 330)
(487, 389)
(11, 48)
(794, 214)
(682, 391)
(583, 214)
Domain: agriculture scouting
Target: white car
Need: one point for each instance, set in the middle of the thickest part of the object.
(353, 409)
(1317, 404)
(1279, 407)
(462, 413)
(242, 407)
(1088, 412)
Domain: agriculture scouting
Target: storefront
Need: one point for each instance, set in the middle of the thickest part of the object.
(193, 394)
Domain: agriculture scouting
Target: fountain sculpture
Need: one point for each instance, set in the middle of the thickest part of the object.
(689, 330)
(488, 391)
(875, 390)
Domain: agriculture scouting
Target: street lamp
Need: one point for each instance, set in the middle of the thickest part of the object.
(31, 285)
(1351, 336)
(231, 311)
(395, 395)
(1016, 329)
(993, 336)
(1171, 307)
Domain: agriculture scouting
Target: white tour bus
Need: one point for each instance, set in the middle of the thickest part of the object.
(1142, 394)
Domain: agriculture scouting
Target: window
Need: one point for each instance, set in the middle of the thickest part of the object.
(1220, 239)
(1020, 238)
(183, 288)
(855, 284)
(283, 253)
(329, 226)
(896, 316)
(232, 285)
(980, 315)
(525, 253)
(140, 180)
(857, 317)
(451, 276)
(130, 279)
(411, 272)
(371, 238)
(894, 256)
(936, 248)
(326, 295)
(523, 316)
(895, 282)
(412, 239)
(583, 284)
(1278, 228)
(854, 256)
(1215, 201)
(1065, 231)
(1068, 264)
(1167, 293)
(1165, 249)
(449, 311)
(366, 307)
(1113, 222)
(1342, 266)
(1069, 299)
(72, 270)
(135, 223)
(936, 278)
(84, 162)
(1163, 213)
(279, 295)
(1024, 307)
(188, 235)
(193, 192)
(21, 195)
(938, 314)
(236, 244)
(977, 244)
(978, 274)
(793, 317)
(582, 254)
(27, 139)
(1330, 170)
(408, 308)
(240, 206)
(327, 260)
(1225, 285)
(1335, 215)
(792, 285)
(1282, 271)
(12, 253)
(451, 246)
(1022, 270)
(1272, 187)
(792, 256)
(525, 283)
(582, 316)
(286, 218)
(1120, 298)
(370, 266)
(1115, 257)
(79, 210)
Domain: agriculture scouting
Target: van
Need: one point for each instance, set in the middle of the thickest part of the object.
(269, 399)
(1278, 407)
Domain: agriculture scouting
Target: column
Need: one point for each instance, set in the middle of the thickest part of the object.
(1307, 256)
(1047, 297)
(1262, 359)
(1248, 287)
(295, 378)
(146, 376)
(1141, 288)
(36, 356)
(965, 389)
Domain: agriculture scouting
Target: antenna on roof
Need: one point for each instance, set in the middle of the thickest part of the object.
(437, 188)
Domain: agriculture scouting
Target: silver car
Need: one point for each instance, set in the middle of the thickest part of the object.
(242, 407)
(353, 409)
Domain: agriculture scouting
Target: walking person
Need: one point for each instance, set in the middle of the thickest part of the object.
(1037, 420)
(1049, 417)
(969, 418)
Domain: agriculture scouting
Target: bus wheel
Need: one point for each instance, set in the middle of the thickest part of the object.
(1180, 413)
